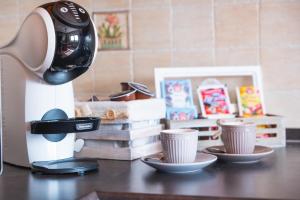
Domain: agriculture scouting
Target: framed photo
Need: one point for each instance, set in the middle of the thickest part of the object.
(177, 93)
(214, 101)
(249, 101)
(112, 30)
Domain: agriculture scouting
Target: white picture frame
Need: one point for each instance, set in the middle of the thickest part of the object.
(254, 72)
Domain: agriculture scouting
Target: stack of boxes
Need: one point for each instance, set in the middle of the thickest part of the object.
(128, 130)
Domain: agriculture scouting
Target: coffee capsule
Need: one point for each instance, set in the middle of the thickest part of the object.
(125, 86)
(142, 92)
(128, 85)
(127, 95)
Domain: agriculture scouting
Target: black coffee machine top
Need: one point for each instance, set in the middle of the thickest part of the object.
(75, 42)
(71, 14)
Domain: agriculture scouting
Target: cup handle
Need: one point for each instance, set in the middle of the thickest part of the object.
(219, 132)
(219, 122)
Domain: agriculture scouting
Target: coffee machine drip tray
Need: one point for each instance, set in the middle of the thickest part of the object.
(65, 166)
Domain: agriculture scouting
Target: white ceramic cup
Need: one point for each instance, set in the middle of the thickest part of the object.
(238, 137)
(179, 145)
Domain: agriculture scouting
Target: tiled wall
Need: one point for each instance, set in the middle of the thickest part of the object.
(166, 33)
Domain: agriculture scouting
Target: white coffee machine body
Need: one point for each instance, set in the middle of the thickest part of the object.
(26, 98)
(56, 43)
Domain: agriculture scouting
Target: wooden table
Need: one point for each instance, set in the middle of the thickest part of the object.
(276, 177)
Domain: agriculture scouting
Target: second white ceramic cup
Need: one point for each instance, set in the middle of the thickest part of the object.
(238, 137)
(179, 145)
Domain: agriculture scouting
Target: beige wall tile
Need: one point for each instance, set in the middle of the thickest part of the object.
(285, 103)
(281, 68)
(150, 28)
(236, 25)
(84, 84)
(236, 56)
(83, 97)
(144, 64)
(111, 68)
(9, 28)
(280, 23)
(8, 7)
(151, 3)
(218, 2)
(189, 3)
(193, 26)
(192, 58)
(99, 5)
(279, 1)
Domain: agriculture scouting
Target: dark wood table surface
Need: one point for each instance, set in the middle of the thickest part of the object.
(276, 177)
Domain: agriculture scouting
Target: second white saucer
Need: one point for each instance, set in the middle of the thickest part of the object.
(259, 153)
(202, 160)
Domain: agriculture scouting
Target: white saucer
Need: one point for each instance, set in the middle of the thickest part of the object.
(259, 153)
(156, 161)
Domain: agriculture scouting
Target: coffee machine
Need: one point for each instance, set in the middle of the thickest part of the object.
(56, 43)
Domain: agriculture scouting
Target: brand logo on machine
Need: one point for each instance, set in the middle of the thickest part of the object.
(85, 126)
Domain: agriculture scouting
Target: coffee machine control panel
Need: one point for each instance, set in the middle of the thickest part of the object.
(71, 14)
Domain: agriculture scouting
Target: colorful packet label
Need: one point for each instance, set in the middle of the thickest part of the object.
(250, 101)
(182, 113)
(178, 93)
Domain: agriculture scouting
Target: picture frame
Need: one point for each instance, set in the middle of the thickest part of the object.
(112, 30)
(161, 74)
(254, 72)
(214, 101)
